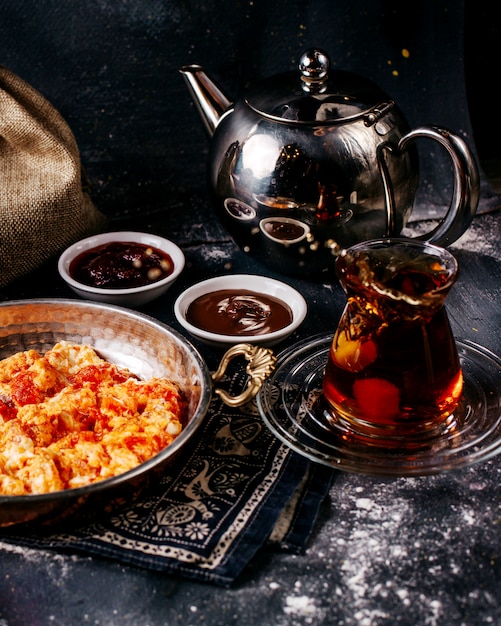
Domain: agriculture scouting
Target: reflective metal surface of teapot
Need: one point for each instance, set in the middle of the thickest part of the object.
(313, 157)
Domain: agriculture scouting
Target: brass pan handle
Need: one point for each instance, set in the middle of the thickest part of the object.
(261, 363)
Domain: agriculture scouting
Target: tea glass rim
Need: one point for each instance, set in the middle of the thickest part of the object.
(450, 262)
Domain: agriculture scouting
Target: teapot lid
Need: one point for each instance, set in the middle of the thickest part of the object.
(317, 96)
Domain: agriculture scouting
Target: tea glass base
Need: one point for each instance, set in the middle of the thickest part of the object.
(290, 404)
(331, 423)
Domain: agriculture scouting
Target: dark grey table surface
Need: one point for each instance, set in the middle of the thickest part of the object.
(385, 551)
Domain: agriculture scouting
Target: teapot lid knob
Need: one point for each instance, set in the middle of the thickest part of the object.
(316, 94)
(314, 66)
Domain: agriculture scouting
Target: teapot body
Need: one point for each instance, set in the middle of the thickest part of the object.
(285, 192)
(313, 160)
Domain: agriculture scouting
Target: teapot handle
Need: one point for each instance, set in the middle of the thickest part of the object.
(466, 184)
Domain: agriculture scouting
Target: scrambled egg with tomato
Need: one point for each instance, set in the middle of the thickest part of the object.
(69, 418)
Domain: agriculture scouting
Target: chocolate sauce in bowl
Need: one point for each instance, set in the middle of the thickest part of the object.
(238, 312)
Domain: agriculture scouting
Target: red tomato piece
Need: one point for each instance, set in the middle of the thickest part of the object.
(8, 410)
(24, 390)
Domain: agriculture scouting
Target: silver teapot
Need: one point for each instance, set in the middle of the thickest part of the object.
(313, 159)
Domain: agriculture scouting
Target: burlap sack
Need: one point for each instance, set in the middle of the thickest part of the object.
(43, 203)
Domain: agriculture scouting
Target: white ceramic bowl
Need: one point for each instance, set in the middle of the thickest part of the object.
(249, 282)
(134, 296)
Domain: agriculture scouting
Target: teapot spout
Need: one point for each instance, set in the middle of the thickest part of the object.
(211, 102)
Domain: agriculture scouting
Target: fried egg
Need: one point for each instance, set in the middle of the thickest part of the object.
(69, 418)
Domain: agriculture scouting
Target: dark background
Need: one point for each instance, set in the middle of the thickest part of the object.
(111, 69)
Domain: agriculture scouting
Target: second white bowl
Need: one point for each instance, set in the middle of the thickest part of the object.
(243, 282)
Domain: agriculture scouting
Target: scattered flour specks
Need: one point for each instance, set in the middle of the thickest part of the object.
(480, 237)
(299, 605)
(468, 516)
(57, 566)
(483, 241)
(405, 547)
(303, 607)
(216, 254)
(373, 542)
(364, 503)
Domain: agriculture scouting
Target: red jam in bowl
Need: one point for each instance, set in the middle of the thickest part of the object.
(238, 312)
(121, 265)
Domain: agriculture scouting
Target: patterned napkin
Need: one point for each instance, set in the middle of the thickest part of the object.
(236, 489)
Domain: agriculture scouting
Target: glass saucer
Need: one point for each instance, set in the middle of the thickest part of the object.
(288, 404)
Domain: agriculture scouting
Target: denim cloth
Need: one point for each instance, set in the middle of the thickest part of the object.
(234, 490)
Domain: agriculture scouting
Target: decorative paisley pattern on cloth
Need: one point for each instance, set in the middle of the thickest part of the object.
(236, 488)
